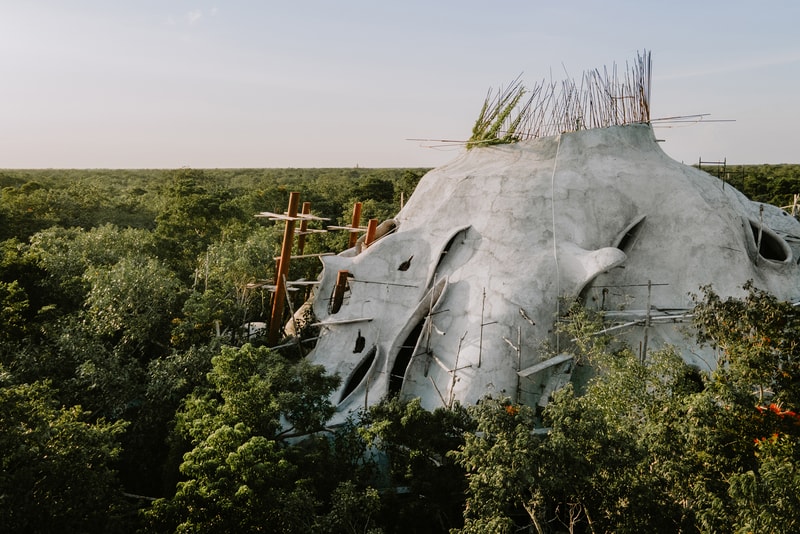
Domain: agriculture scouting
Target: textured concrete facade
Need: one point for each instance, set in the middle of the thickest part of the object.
(456, 302)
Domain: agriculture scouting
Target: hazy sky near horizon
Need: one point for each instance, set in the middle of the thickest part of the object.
(209, 84)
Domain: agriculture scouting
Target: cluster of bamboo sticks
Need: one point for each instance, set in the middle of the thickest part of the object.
(600, 99)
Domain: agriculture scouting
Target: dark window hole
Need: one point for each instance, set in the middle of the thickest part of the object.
(405, 265)
(403, 359)
(771, 247)
(360, 342)
(360, 372)
(629, 236)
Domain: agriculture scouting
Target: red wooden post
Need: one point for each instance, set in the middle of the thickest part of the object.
(301, 239)
(279, 298)
(371, 227)
(354, 224)
(338, 291)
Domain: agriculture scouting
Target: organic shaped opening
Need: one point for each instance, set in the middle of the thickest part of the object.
(770, 245)
(404, 358)
(360, 342)
(359, 373)
(449, 249)
(449, 245)
(627, 238)
(406, 264)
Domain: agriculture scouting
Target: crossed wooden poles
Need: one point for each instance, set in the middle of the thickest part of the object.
(291, 217)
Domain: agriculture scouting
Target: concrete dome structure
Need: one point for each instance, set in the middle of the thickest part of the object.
(456, 302)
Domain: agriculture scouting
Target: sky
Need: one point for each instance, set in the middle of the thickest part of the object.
(306, 83)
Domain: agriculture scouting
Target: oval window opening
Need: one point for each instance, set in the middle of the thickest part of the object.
(770, 246)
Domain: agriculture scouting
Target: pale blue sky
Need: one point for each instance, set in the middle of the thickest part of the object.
(170, 83)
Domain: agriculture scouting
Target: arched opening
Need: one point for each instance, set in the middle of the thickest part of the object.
(404, 358)
(627, 238)
(461, 232)
(359, 373)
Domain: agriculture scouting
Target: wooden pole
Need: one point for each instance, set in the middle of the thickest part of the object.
(338, 291)
(279, 298)
(372, 225)
(354, 224)
(301, 238)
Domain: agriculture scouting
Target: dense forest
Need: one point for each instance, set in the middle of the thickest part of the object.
(134, 399)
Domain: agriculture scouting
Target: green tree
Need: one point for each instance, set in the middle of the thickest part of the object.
(132, 303)
(766, 498)
(57, 467)
(651, 445)
(757, 338)
(609, 458)
(192, 216)
(353, 511)
(426, 486)
(25, 301)
(499, 459)
(153, 452)
(26, 210)
(239, 476)
(743, 426)
(229, 290)
(14, 307)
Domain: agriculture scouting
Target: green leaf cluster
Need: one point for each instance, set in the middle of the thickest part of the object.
(495, 124)
(238, 473)
(57, 464)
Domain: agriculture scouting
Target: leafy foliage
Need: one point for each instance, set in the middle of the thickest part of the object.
(499, 459)
(773, 184)
(494, 124)
(428, 484)
(132, 301)
(758, 339)
(238, 474)
(56, 468)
